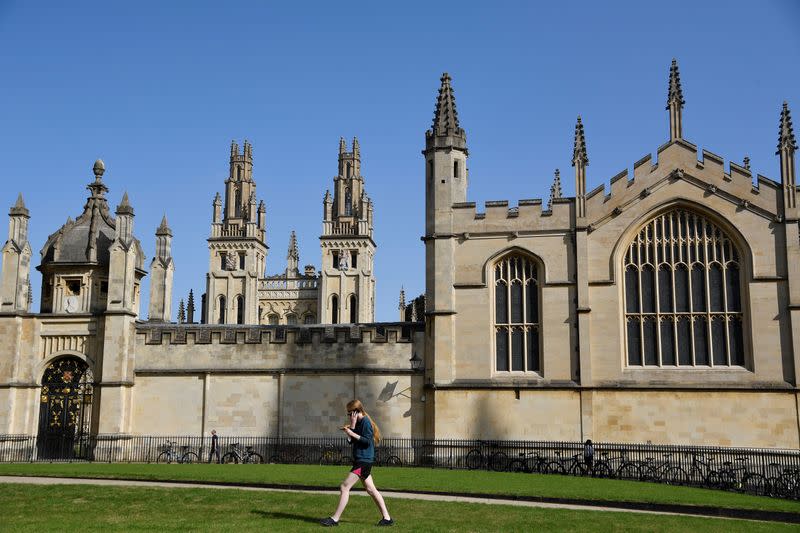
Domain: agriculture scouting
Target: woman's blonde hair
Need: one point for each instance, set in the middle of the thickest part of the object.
(356, 405)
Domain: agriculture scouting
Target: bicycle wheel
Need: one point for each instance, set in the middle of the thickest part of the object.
(474, 460)
(516, 465)
(602, 469)
(190, 457)
(393, 460)
(498, 462)
(578, 468)
(254, 458)
(755, 484)
(676, 476)
(628, 471)
(164, 457)
(230, 458)
(554, 467)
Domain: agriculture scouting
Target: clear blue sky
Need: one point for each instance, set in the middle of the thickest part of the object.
(159, 92)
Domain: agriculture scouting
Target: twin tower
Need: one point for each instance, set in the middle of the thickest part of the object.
(237, 289)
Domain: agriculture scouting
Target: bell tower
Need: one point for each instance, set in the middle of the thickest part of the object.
(347, 280)
(237, 245)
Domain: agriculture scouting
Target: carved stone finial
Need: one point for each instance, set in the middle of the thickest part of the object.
(579, 155)
(746, 162)
(19, 208)
(555, 189)
(99, 169)
(786, 137)
(445, 118)
(674, 93)
(124, 207)
(342, 146)
(163, 228)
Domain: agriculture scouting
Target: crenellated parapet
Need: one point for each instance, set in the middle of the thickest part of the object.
(528, 216)
(678, 161)
(191, 347)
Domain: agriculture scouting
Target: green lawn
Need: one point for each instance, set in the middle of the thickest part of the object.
(94, 508)
(416, 479)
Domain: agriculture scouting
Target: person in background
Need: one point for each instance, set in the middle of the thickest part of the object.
(214, 446)
(588, 456)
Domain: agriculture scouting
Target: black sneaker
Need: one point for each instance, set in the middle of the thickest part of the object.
(329, 522)
(385, 522)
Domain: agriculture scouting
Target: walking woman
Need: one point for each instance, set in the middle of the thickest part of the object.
(363, 434)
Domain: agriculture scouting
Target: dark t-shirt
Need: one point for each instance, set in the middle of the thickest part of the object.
(364, 447)
(213, 442)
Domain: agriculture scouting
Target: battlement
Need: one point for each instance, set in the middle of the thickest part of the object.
(378, 347)
(497, 216)
(176, 334)
(679, 160)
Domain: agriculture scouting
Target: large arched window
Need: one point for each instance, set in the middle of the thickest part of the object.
(516, 315)
(683, 294)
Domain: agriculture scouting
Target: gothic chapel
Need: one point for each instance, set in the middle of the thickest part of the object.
(663, 308)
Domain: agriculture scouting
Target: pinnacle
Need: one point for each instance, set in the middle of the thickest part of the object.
(19, 207)
(125, 202)
(674, 93)
(402, 302)
(293, 252)
(786, 137)
(342, 145)
(579, 146)
(163, 228)
(445, 118)
(124, 206)
(555, 188)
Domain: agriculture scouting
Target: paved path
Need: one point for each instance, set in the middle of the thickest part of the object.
(389, 494)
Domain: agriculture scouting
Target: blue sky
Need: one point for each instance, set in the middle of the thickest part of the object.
(159, 92)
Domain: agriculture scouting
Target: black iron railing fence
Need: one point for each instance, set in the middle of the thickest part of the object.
(752, 470)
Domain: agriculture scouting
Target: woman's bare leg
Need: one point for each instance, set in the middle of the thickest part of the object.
(344, 494)
(369, 484)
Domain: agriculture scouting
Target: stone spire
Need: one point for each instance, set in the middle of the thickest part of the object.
(19, 208)
(675, 102)
(580, 161)
(787, 144)
(401, 306)
(342, 146)
(163, 228)
(162, 271)
(555, 189)
(181, 312)
(292, 257)
(356, 148)
(190, 308)
(445, 117)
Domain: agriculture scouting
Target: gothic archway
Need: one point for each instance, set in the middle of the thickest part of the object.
(65, 409)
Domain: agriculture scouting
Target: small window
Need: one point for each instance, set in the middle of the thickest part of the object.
(240, 309)
(309, 319)
(241, 260)
(291, 319)
(273, 319)
(334, 309)
(353, 309)
(348, 203)
(237, 202)
(335, 258)
(430, 169)
(238, 173)
(223, 256)
(221, 310)
(455, 169)
(349, 170)
(73, 287)
(353, 259)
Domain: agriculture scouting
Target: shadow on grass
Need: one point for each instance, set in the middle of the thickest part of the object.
(290, 516)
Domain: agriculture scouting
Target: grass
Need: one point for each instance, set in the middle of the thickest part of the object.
(95, 508)
(417, 479)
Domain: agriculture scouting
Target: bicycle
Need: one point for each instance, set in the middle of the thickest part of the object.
(332, 455)
(573, 465)
(528, 462)
(497, 461)
(236, 455)
(387, 457)
(169, 455)
(652, 471)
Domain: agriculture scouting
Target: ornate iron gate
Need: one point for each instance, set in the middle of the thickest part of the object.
(65, 411)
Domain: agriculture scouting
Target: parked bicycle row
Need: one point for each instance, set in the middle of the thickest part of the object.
(755, 471)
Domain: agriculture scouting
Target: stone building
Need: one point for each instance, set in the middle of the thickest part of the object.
(663, 309)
